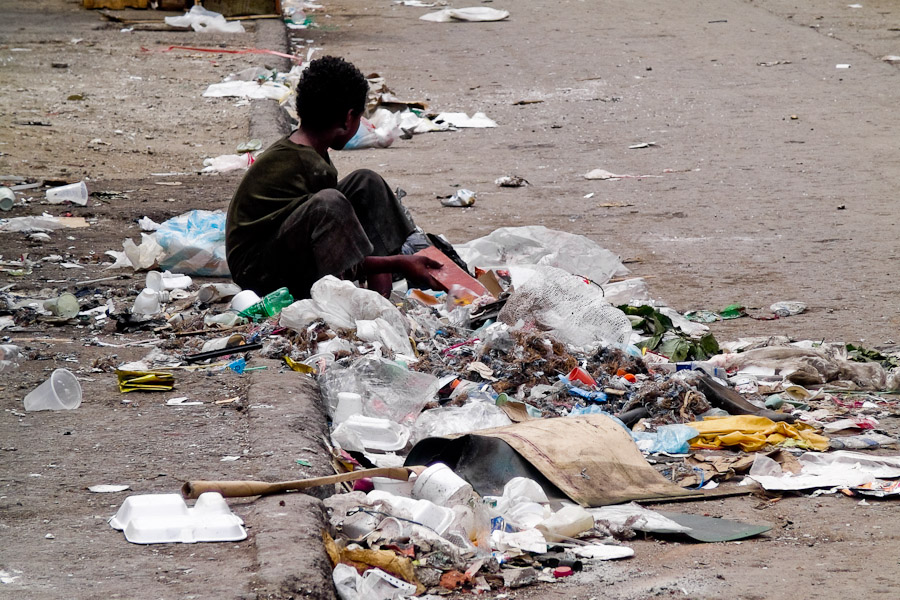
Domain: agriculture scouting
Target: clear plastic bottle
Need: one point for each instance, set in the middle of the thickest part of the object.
(270, 305)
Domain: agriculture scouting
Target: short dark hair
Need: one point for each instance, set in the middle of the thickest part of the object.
(328, 88)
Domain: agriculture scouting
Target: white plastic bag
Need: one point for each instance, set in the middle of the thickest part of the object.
(475, 13)
(538, 245)
(227, 162)
(200, 19)
(380, 132)
(342, 305)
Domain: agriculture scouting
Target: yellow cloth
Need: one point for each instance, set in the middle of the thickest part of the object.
(752, 433)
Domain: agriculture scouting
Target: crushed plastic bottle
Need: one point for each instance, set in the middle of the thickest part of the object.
(269, 306)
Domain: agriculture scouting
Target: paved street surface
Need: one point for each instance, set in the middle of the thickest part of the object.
(771, 175)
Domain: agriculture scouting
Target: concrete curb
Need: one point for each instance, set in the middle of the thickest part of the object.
(269, 121)
(287, 422)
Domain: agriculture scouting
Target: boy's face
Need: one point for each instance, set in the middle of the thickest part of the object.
(352, 125)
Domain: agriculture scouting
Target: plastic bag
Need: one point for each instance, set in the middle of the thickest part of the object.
(143, 257)
(538, 245)
(342, 305)
(567, 307)
(193, 243)
(673, 439)
(472, 416)
(380, 132)
(200, 19)
(10, 357)
(227, 162)
(388, 389)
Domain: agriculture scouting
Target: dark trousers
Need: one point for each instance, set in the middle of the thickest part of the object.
(331, 234)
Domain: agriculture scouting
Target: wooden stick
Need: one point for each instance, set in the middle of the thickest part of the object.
(237, 489)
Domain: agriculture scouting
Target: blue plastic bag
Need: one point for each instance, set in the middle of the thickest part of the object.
(193, 243)
(673, 439)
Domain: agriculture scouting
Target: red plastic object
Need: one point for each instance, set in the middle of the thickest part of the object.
(579, 374)
(450, 274)
(562, 571)
(626, 375)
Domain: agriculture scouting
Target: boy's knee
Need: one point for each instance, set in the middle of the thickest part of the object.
(329, 205)
(366, 177)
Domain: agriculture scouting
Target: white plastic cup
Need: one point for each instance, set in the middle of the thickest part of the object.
(147, 303)
(60, 392)
(439, 484)
(76, 193)
(167, 281)
(212, 292)
(7, 198)
(244, 300)
(348, 404)
(65, 306)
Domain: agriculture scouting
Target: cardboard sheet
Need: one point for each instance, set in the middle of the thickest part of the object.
(590, 459)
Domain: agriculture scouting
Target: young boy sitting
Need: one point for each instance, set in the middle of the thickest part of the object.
(292, 222)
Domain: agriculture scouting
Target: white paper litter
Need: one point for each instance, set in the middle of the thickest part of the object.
(247, 89)
(475, 13)
(602, 552)
(462, 120)
(108, 489)
(836, 469)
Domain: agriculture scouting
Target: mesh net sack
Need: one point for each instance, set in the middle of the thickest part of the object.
(568, 308)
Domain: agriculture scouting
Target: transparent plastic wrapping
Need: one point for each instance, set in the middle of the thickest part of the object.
(388, 389)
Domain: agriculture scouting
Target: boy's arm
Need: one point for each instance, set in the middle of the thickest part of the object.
(378, 271)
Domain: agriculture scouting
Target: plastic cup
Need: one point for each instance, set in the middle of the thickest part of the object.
(212, 292)
(244, 300)
(65, 306)
(442, 486)
(60, 392)
(76, 193)
(7, 198)
(167, 281)
(348, 404)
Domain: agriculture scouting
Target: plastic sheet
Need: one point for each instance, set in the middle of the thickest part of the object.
(752, 433)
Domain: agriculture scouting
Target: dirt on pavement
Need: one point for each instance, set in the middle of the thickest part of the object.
(771, 177)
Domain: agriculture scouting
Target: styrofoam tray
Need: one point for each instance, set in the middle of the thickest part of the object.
(165, 518)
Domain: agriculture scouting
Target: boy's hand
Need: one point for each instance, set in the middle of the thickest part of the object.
(418, 270)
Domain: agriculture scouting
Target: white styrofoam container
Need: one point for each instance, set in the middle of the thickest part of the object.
(165, 518)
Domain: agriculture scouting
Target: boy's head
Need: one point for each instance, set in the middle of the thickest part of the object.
(328, 89)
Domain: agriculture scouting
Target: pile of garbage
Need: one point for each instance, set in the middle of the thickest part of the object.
(498, 433)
